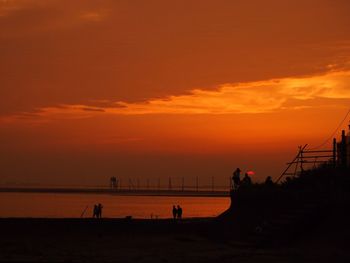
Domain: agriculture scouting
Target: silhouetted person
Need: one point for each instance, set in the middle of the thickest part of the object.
(179, 212)
(99, 211)
(246, 181)
(174, 212)
(288, 181)
(268, 181)
(95, 211)
(236, 178)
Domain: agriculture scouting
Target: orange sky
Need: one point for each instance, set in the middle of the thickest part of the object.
(148, 89)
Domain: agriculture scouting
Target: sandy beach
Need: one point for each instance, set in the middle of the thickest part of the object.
(191, 240)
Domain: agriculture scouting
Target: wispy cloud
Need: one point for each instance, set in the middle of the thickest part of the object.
(249, 98)
(254, 97)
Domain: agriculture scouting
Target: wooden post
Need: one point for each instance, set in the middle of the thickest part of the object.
(334, 153)
(297, 162)
(169, 186)
(301, 160)
(343, 149)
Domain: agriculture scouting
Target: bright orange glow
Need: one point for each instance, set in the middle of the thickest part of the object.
(92, 89)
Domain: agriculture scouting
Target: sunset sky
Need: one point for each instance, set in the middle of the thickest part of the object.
(148, 89)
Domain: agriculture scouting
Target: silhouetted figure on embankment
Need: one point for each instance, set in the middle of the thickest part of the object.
(246, 181)
(269, 182)
(236, 178)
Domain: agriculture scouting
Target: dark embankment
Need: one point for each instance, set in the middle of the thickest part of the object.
(278, 215)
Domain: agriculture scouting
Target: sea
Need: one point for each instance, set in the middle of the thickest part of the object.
(67, 205)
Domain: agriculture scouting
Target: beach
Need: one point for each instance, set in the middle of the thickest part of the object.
(192, 240)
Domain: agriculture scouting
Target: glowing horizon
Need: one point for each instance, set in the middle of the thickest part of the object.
(148, 89)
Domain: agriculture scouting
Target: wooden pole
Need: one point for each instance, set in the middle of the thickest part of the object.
(343, 149)
(169, 186)
(334, 152)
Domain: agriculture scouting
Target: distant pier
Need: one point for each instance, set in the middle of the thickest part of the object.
(133, 192)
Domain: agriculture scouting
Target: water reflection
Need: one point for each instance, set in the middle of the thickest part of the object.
(72, 205)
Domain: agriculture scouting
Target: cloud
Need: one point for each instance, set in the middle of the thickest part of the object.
(57, 52)
(21, 18)
(254, 97)
(92, 109)
(244, 98)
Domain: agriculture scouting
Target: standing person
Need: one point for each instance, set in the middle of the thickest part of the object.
(174, 212)
(179, 212)
(95, 211)
(236, 178)
(99, 214)
(268, 181)
(247, 181)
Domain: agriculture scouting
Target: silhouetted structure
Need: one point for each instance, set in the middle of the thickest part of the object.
(343, 150)
(338, 156)
(113, 182)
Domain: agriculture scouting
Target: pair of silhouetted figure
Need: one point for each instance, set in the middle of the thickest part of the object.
(177, 212)
(236, 179)
(97, 212)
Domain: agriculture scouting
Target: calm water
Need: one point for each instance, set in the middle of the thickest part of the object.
(72, 205)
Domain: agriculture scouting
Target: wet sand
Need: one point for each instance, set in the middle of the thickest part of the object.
(191, 240)
(111, 240)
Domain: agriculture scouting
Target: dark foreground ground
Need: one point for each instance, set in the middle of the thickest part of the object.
(192, 240)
